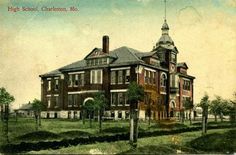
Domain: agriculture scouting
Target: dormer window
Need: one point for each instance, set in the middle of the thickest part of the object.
(97, 61)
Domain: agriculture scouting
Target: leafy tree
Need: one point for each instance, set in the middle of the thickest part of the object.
(90, 108)
(135, 94)
(100, 103)
(5, 100)
(37, 107)
(204, 104)
(188, 105)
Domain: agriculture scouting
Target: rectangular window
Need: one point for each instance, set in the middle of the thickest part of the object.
(76, 82)
(96, 77)
(150, 77)
(104, 60)
(120, 99)
(76, 100)
(154, 77)
(56, 101)
(186, 85)
(70, 82)
(119, 114)
(82, 79)
(127, 76)
(56, 84)
(126, 99)
(96, 61)
(99, 76)
(49, 85)
(113, 77)
(100, 61)
(113, 99)
(70, 100)
(49, 102)
(120, 76)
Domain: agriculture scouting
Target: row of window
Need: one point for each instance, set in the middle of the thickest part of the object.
(56, 85)
(117, 77)
(120, 77)
(76, 80)
(150, 77)
(53, 101)
(97, 61)
(119, 99)
(73, 100)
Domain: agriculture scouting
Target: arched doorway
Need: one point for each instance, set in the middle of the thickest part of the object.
(85, 112)
(172, 108)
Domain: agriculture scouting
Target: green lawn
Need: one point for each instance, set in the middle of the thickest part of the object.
(57, 129)
(170, 144)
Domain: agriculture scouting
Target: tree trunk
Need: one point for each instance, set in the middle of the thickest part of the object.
(2, 113)
(203, 125)
(190, 117)
(16, 115)
(36, 122)
(131, 127)
(131, 139)
(215, 118)
(39, 118)
(100, 120)
(90, 120)
(135, 127)
(6, 118)
(221, 117)
(83, 116)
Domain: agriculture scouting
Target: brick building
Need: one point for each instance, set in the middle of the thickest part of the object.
(166, 82)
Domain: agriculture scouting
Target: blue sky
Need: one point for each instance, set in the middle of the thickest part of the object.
(33, 43)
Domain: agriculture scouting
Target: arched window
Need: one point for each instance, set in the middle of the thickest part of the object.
(163, 80)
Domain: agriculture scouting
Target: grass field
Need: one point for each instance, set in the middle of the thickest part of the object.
(57, 129)
(154, 145)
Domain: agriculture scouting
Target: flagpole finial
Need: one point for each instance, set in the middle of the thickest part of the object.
(165, 10)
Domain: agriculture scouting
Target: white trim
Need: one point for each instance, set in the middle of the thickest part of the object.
(186, 79)
(149, 69)
(88, 98)
(49, 78)
(48, 95)
(163, 93)
(121, 68)
(80, 72)
(56, 78)
(118, 90)
(56, 95)
(85, 91)
(185, 96)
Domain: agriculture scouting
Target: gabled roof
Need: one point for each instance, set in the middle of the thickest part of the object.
(182, 65)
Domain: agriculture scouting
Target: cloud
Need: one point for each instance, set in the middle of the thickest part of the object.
(189, 16)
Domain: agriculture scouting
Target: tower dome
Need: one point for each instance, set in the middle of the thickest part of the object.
(165, 38)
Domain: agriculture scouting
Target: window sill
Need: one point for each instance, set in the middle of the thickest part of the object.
(69, 105)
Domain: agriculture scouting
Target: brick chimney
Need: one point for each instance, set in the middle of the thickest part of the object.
(105, 44)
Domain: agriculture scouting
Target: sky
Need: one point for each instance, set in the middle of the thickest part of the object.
(33, 43)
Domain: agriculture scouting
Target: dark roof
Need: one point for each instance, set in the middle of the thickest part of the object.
(122, 55)
(52, 73)
(182, 64)
(186, 76)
